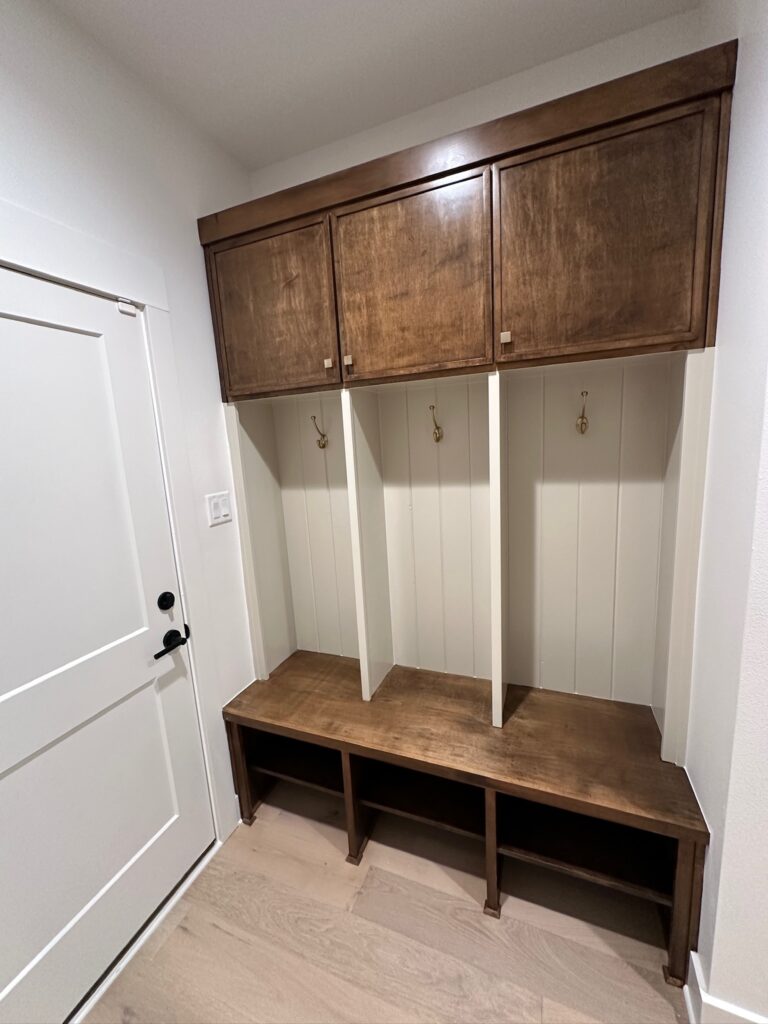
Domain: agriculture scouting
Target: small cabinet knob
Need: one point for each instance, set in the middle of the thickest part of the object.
(347, 360)
(328, 364)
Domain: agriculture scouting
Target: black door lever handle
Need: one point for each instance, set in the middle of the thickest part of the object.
(172, 640)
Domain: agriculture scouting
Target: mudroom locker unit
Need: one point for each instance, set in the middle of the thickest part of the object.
(468, 391)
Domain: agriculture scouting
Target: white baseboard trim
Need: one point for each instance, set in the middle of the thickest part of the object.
(143, 935)
(706, 1009)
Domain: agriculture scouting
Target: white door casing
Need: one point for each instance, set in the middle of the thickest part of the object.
(103, 795)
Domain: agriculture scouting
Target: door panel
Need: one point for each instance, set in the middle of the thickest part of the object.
(276, 314)
(603, 242)
(413, 279)
(103, 794)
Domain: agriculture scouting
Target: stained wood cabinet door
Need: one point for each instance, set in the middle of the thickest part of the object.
(274, 310)
(413, 279)
(603, 242)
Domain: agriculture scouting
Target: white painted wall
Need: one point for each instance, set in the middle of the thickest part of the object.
(728, 740)
(663, 40)
(85, 145)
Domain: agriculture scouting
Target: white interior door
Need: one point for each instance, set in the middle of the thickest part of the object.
(103, 796)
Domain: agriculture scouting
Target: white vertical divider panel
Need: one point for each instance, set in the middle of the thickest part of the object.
(641, 494)
(362, 445)
(525, 447)
(477, 393)
(336, 482)
(597, 523)
(668, 528)
(697, 401)
(497, 441)
(262, 533)
(427, 527)
(232, 422)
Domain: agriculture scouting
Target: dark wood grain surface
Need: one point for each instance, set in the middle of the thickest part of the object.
(594, 756)
(698, 74)
(275, 315)
(605, 242)
(413, 279)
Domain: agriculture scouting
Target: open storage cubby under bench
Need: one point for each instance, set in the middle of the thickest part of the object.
(572, 783)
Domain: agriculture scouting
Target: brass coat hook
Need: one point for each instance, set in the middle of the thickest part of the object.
(322, 441)
(437, 433)
(582, 423)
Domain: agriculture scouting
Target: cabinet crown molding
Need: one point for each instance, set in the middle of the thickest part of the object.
(704, 73)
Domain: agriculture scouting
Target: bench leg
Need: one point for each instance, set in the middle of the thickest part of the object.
(357, 833)
(248, 799)
(492, 905)
(682, 904)
(698, 884)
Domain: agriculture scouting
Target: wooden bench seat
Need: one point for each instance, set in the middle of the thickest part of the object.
(574, 783)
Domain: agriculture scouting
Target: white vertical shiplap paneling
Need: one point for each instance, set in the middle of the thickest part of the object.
(396, 471)
(437, 512)
(368, 534)
(598, 510)
(455, 496)
(584, 525)
(319, 524)
(523, 443)
(427, 527)
(559, 541)
(291, 476)
(299, 525)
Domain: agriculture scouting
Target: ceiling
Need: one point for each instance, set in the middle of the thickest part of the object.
(268, 79)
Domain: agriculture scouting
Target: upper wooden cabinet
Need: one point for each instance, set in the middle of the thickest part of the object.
(274, 307)
(597, 231)
(413, 279)
(603, 242)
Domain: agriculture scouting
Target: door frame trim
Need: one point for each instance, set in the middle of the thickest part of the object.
(36, 245)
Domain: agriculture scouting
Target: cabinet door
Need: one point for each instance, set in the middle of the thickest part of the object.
(413, 279)
(276, 321)
(602, 242)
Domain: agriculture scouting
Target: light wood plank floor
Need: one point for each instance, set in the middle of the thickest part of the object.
(279, 928)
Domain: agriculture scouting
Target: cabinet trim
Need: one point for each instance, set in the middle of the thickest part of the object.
(698, 74)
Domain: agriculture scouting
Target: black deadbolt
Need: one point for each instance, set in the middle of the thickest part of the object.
(166, 601)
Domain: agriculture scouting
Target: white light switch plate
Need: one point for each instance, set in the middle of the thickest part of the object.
(219, 508)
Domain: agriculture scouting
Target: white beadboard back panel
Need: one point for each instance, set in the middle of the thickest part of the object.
(307, 539)
(584, 515)
(369, 536)
(437, 514)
